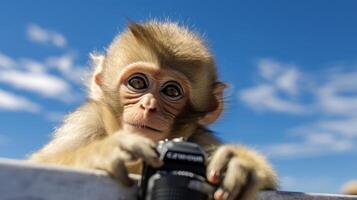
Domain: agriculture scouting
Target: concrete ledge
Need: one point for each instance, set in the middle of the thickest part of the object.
(280, 195)
(20, 180)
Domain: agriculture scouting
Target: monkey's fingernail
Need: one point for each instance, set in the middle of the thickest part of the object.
(218, 195)
(160, 163)
(225, 195)
(213, 176)
(157, 162)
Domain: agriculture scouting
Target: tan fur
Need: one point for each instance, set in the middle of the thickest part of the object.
(246, 172)
(153, 42)
(93, 136)
(350, 188)
(95, 91)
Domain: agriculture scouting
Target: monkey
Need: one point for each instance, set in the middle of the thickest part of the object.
(350, 188)
(157, 80)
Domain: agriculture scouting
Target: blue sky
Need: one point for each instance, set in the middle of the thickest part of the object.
(292, 67)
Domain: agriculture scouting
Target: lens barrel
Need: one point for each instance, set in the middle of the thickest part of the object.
(173, 187)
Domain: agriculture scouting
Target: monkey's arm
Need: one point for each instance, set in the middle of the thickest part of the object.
(239, 171)
(83, 141)
(80, 128)
(110, 154)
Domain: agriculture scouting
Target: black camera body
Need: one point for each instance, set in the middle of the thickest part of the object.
(183, 175)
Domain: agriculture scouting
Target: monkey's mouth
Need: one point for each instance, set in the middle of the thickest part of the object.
(145, 127)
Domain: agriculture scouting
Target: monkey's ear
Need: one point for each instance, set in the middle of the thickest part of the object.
(213, 115)
(96, 79)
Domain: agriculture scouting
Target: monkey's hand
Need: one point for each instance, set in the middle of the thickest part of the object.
(240, 173)
(119, 149)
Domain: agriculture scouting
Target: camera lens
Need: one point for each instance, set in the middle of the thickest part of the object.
(173, 187)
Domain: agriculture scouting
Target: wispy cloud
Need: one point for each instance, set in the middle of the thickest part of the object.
(6, 61)
(265, 98)
(37, 77)
(12, 102)
(56, 77)
(321, 137)
(283, 76)
(40, 83)
(32, 65)
(277, 91)
(304, 147)
(346, 127)
(44, 36)
(55, 116)
(338, 96)
(332, 99)
(66, 66)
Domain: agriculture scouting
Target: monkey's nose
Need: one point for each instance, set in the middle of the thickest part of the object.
(149, 103)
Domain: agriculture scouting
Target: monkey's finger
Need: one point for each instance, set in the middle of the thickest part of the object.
(120, 173)
(141, 147)
(219, 162)
(251, 188)
(250, 192)
(114, 164)
(149, 155)
(235, 179)
(132, 141)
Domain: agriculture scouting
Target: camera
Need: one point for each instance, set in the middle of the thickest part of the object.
(183, 175)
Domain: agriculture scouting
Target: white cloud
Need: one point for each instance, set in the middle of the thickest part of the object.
(346, 127)
(43, 84)
(33, 66)
(12, 102)
(55, 116)
(269, 69)
(281, 75)
(41, 35)
(66, 66)
(6, 61)
(332, 99)
(288, 81)
(339, 95)
(316, 145)
(289, 150)
(52, 77)
(58, 40)
(265, 98)
(278, 90)
(324, 137)
(39, 77)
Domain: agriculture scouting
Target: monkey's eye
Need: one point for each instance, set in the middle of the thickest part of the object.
(172, 90)
(138, 81)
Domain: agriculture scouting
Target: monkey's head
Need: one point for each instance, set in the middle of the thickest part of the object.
(159, 79)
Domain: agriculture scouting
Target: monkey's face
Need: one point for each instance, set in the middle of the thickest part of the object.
(152, 98)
